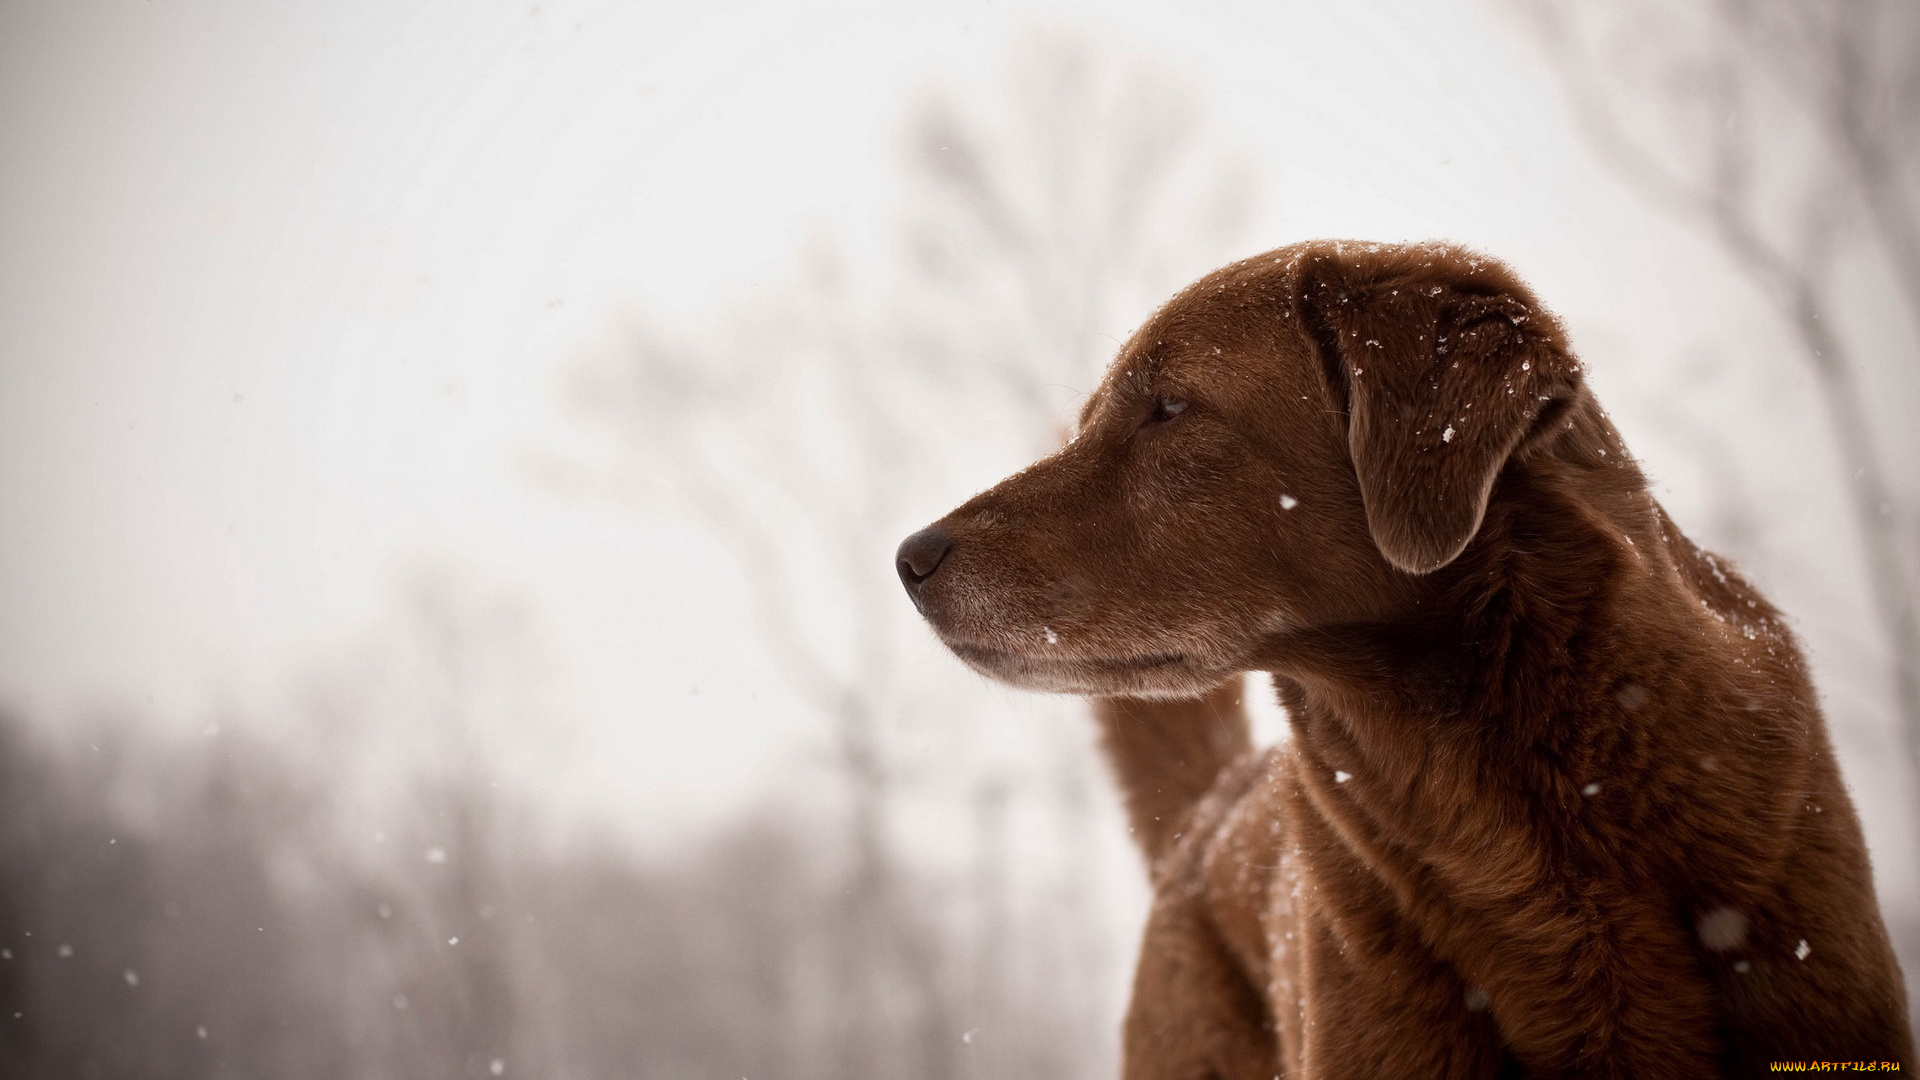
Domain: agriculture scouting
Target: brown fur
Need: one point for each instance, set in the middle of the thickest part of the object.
(1557, 801)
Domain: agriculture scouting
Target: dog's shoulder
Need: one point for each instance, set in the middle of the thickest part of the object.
(1231, 845)
(1239, 797)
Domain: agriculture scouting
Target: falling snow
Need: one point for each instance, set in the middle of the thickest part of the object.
(1722, 929)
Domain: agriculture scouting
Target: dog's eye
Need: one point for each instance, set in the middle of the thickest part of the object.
(1166, 409)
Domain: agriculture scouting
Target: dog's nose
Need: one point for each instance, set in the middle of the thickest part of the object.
(921, 554)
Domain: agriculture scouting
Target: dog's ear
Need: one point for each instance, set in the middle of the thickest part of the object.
(1444, 365)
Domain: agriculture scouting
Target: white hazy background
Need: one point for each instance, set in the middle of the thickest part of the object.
(451, 454)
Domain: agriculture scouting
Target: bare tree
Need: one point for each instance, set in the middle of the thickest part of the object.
(1035, 239)
(1787, 131)
(803, 434)
(455, 946)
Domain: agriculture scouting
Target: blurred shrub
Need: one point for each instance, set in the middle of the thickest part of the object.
(194, 909)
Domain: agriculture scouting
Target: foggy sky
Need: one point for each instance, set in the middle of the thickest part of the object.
(288, 296)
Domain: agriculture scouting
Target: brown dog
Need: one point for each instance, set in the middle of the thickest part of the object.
(1558, 800)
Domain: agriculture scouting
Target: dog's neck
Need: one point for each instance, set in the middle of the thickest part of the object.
(1539, 590)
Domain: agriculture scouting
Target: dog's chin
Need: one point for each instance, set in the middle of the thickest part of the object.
(1154, 675)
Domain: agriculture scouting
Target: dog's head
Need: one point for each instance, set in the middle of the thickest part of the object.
(1293, 441)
